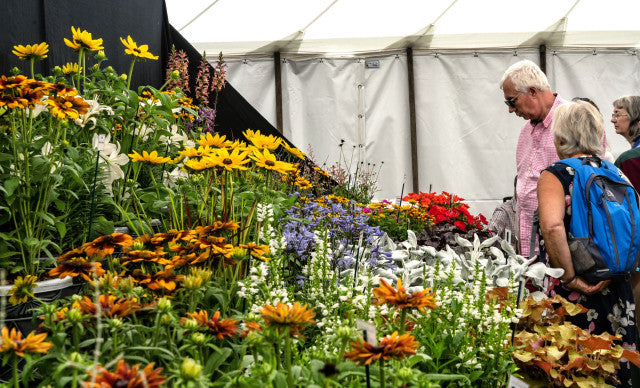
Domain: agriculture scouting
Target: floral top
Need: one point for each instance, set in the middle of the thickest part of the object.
(612, 310)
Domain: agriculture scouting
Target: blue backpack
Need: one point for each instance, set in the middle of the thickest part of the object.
(605, 220)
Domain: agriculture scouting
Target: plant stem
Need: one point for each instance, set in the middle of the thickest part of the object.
(382, 385)
(287, 359)
(15, 371)
(133, 62)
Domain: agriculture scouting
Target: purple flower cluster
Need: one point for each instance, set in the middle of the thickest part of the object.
(344, 224)
(205, 120)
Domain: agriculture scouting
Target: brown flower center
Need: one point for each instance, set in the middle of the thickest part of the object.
(270, 163)
(227, 161)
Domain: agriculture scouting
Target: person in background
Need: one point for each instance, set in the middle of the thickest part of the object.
(626, 121)
(607, 149)
(578, 130)
(528, 94)
(505, 218)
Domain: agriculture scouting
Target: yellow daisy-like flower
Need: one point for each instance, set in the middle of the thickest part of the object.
(149, 157)
(266, 159)
(22, 289)
(262, 141)
(67, 106)
(196, 152)
(132, 48)
(71, 68)
(201, 164)
(83, 40)
(214, 141)
(293, 150)
(31, 51)
(12, 341)
(233, 160)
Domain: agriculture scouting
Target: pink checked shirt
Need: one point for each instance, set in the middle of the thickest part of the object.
(535, 152)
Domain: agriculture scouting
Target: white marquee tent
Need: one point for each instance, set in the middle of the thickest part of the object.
(344, 68)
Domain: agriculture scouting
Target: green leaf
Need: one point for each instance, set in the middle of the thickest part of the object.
(30, 242)
(10, 185)
(46, 217)
(62, 229)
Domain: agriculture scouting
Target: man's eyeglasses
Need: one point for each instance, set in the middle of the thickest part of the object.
(511, 101)
(617, 115)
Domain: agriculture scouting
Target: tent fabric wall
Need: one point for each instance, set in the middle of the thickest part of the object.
(466, 138)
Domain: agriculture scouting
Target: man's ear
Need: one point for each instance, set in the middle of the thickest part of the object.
(533, 90)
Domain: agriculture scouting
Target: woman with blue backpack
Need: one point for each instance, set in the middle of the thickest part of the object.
(590, 225)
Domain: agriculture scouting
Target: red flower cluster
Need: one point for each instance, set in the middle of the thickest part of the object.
(447, 208)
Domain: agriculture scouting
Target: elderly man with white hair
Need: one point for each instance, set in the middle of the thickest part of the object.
(527, 94)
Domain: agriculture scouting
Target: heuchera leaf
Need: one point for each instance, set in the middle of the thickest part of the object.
(634, 357)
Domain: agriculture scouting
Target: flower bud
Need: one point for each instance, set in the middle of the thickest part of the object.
(190, 369)
(76, 357)
(191, 324)
(123, 77)
(57, 71)
(175, 75)
(198, 338)
(115, 323)
(125, 285)
(191, 283)
(405, 374)
(101, 56)
(166, 319)
(74, 315)
(164, 305)
(344, 333)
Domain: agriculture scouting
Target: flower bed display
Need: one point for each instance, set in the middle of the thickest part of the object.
(241, 267)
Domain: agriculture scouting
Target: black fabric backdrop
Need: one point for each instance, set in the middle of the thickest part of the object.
(35, 21)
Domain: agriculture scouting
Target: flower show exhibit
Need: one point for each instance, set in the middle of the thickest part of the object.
(141, 247)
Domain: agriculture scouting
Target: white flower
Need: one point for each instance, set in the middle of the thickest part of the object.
(94, 109)
(111, 156)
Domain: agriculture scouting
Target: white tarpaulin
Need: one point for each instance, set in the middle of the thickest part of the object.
(465, 136)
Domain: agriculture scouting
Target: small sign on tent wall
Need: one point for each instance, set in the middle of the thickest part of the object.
(372, 64)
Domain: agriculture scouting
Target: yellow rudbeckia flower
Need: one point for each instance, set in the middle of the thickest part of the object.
(71, 69)
(83, 39)
(262, 141)
(31, 51)
(233, 160)
(132, 48)
(148, 157)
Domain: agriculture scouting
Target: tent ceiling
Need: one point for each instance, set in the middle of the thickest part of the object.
(253, 27)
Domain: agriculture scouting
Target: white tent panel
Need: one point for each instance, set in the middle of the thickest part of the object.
(601, 75)
(466, 136)
(247, 27)
(254, 80)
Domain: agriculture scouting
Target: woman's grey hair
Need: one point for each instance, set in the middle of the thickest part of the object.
(578, 128)
(524, 74)
(632, 105)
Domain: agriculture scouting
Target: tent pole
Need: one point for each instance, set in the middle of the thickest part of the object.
(412, 122)
(278, 76)
(543, 58)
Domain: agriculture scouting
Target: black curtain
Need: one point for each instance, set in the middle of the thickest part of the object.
(35, 21)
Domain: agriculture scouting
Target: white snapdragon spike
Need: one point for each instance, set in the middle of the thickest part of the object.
(94, 109)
